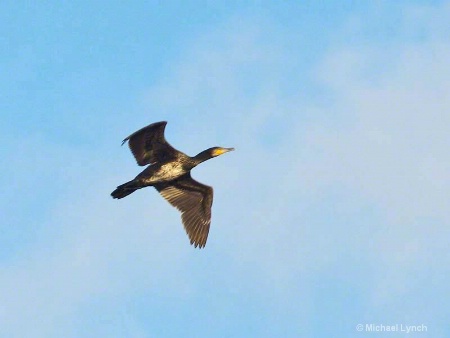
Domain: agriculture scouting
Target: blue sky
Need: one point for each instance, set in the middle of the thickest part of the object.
(333, 211)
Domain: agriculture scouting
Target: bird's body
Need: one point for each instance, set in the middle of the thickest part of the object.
(169, 172)
(163, 172)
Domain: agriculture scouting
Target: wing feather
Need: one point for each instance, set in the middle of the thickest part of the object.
(148, 145)
(194, 200)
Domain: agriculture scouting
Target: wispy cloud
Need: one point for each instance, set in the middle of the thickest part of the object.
(372, 161)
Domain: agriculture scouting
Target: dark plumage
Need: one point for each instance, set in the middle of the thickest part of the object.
(169, 171)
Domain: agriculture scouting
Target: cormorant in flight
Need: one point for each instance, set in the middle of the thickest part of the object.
(169, 171)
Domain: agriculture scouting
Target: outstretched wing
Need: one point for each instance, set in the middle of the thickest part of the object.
(194, 200)
(148, 144)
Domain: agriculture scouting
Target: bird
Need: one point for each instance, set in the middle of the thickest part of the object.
(169, 172)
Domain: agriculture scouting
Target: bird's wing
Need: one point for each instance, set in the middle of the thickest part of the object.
(148, 144)
(194, 200)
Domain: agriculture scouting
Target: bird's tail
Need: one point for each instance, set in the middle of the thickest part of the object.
(125, 189)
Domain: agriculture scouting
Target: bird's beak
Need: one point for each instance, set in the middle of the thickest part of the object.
(220, 151)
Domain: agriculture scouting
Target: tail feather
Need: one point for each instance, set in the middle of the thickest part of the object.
(125, 190)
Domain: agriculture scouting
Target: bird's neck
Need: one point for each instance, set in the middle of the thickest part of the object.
(202, 157)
